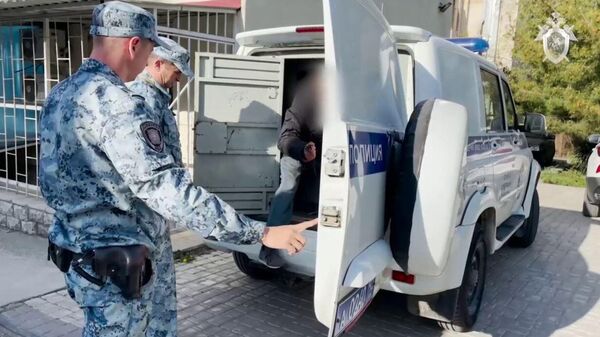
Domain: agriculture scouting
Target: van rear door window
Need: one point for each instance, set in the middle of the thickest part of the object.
(407, 70)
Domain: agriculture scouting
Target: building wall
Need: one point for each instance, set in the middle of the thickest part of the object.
(258, 14)
(502, 33)
(24, 213)
(470, 17)
(494, 20)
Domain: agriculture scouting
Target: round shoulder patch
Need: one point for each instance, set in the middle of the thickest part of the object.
(153, 136)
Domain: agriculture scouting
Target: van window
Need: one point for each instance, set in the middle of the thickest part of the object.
(492, 100)
(407, 70)
(287, 51)
(509, 105)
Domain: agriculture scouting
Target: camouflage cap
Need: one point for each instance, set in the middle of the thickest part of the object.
(175, 54)
(120, 19)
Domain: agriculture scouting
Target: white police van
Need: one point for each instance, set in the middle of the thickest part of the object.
(424, 172)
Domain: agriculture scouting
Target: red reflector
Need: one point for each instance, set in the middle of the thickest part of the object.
(598, 169)
(313, 29)
(403, 277)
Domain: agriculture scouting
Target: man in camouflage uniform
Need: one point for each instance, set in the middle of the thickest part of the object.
(166, 65)
(105, 171)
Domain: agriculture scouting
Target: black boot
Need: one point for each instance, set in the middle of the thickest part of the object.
(270, 257)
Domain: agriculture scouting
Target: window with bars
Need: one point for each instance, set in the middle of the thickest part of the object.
(37, 54)
(181, 26)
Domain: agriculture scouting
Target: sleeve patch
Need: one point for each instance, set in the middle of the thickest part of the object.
(153, 136)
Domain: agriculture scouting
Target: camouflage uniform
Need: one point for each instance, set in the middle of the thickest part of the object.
(105, 171)
(159, 98)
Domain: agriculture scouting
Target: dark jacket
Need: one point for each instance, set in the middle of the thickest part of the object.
(301, 123)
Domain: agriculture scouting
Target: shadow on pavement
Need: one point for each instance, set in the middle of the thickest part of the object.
(552, 285)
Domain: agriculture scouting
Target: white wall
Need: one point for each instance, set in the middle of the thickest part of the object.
(258, 14)
(500, 30)
(471, 17)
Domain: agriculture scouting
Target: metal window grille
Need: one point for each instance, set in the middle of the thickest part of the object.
(198, 31)
(37, 53)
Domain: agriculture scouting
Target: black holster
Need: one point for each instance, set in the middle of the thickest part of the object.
(128, 267)
(60, 257)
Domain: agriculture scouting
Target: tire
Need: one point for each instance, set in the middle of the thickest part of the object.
(549, 161)
(470, 293)
(590, 210)
(525, 236)
(252, 269)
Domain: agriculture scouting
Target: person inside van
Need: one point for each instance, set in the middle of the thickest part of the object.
(300, 142)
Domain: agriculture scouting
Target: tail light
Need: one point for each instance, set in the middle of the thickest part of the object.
(310, 29)
(598, 150)
(403, 277)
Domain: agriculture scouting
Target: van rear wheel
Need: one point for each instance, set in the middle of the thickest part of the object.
(470, 293)
(250, 268)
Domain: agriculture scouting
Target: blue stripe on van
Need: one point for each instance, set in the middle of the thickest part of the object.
(367, 152)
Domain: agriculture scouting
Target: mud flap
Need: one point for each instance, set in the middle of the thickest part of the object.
(439, 307)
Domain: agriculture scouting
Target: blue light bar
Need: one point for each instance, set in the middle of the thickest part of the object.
(474, 44)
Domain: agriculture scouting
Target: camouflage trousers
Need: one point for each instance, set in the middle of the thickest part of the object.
(108, 314)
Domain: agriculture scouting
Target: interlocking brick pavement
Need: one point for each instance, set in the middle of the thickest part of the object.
(549, 289)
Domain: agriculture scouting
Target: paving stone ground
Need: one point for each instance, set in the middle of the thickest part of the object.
(549, 289)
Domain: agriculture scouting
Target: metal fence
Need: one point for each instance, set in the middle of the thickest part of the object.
(38, 53)
(198, 31)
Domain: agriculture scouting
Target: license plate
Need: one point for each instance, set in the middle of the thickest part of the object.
(535, 148)
(352, 307)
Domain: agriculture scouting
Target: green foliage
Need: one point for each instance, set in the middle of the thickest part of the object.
(568, 93)
(556, 176)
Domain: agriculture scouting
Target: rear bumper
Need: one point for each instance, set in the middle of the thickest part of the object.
(302, 263)
(450, 278)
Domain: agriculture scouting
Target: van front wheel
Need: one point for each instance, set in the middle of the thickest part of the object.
(250, 268)
(470, 293)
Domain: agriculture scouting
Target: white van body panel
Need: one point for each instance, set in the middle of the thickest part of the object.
(366, 98)
(302, 263)
(364, 102)
(432, 56)
(369, 264)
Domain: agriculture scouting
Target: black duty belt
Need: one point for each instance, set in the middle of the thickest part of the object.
(128, 267)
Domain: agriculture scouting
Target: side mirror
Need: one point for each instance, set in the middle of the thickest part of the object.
(594, 139)
(535, 123)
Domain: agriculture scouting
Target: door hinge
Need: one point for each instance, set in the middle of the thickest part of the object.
(334, 165)
(330, 216)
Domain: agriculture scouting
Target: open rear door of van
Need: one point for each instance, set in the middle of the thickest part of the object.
(238, 103)
(363, 110)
